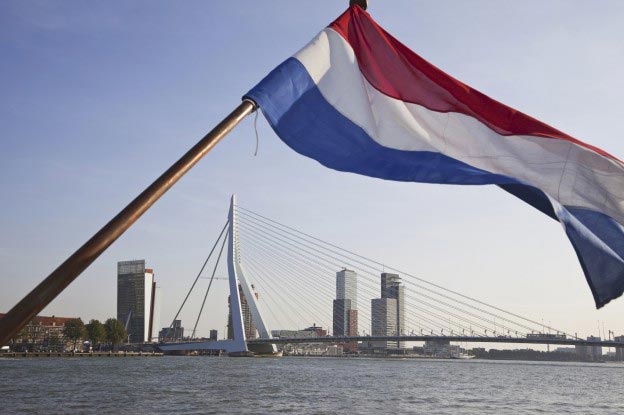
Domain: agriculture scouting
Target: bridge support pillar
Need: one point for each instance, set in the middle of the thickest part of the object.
(236, 276)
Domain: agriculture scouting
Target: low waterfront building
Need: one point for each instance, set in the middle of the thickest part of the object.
(320, 331)
(175, 332)
(302, 349)
(593, 353)
(45, 333)
(565, 350)
(294, 333)
(442, 349)
(334, 351)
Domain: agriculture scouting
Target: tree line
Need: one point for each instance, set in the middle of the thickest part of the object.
(111, 332)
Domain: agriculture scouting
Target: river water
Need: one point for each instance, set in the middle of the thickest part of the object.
(216, 385)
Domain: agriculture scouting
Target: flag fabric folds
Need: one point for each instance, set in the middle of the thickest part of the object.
(357, 100)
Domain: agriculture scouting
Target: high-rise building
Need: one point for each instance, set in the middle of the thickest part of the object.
(249, 326)
(346, 286)
(391, 287)
(345, 314)
(342, 307)
(214, 335)
(137, 300)
(384, 319)
(388, 284)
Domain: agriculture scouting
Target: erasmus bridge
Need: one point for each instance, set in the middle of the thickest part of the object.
(295, 274)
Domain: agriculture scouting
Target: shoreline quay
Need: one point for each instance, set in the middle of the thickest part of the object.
(79, 354)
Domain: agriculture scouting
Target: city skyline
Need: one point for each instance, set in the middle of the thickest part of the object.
(135, 282)
(475, 240)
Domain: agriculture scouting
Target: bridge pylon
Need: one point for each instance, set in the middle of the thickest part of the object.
(236, 277)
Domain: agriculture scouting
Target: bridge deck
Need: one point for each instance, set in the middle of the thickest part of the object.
(466, 339)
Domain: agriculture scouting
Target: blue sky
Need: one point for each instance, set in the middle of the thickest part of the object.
(99, 98)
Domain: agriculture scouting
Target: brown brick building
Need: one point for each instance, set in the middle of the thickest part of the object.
(43, 332)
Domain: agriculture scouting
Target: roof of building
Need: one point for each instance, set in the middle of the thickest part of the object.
(49, 321)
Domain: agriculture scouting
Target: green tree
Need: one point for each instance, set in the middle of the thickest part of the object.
(53, 342)
(96, 333)
(115, 331)
(74, 329)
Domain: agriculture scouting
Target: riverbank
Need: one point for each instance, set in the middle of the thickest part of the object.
(79, 354)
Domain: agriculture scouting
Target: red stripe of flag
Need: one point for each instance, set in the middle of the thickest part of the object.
(396, 71)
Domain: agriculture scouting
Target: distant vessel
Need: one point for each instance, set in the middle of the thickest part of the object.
(463, 356)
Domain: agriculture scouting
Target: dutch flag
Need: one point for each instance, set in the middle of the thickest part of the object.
(357, 100)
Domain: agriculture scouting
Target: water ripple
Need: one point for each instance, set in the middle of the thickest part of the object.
(204, 385)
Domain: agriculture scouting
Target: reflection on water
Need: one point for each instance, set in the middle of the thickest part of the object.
(211, 385)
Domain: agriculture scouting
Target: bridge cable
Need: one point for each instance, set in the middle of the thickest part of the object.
(277, 292)
(214, 270)
(197, 278)
(275, 228)
(373, 291)
(300, 269)
(363, 316)
(285, 278)
(419, 316)
(404, 273)
(338, 265)
(293, 285)
(417, 285)
(270, 294)
(282, 264)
